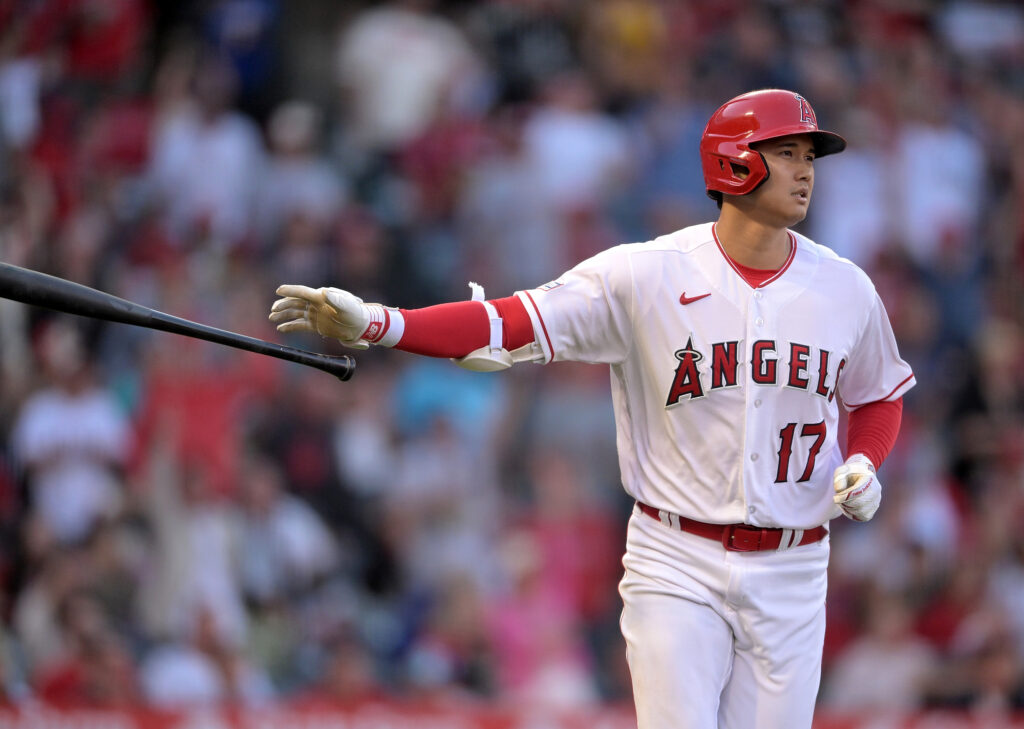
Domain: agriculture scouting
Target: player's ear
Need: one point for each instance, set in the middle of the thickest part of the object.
(740, 171)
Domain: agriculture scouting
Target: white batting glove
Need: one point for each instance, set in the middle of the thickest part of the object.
(325, 311)
(858, 491)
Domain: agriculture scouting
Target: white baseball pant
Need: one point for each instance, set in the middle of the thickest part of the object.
(718, 639)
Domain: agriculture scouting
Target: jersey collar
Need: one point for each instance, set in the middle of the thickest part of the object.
(735, 268)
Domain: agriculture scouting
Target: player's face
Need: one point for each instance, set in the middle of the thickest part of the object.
(784, 197)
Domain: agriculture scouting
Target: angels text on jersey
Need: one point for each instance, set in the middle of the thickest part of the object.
(768, 363)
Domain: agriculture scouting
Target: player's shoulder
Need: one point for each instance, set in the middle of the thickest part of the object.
(622, 262)
(832, 267)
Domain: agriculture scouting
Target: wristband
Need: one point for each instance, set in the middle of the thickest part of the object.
(386, 325)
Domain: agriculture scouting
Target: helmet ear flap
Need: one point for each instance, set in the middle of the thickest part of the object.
(729, 179)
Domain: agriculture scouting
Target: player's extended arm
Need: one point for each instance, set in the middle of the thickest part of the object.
(456, 330)
(872, 433)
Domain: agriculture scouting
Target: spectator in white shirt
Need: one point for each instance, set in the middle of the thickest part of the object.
(72, 439)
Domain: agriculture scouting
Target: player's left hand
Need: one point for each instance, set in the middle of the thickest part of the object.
(858, 491)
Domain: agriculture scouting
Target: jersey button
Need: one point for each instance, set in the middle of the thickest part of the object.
(758, 295)
(759, 321)
(757, 403)
(753, 456)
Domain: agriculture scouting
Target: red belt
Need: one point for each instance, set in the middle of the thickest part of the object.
(740, 537)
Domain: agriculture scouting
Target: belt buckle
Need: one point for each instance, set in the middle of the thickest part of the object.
(742, 538)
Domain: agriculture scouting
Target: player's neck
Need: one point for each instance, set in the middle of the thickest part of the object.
(751, 242)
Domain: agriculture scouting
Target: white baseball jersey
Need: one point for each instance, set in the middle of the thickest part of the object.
(726, 397)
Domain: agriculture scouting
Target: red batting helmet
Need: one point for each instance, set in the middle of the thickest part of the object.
(755, 117)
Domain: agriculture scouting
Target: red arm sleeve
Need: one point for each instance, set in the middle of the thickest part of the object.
(873, 428)
(456, 329)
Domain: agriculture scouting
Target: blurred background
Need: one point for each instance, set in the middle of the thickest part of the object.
(187, 526)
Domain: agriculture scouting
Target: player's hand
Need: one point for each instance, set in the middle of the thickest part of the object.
(325, 311)
(857, 489)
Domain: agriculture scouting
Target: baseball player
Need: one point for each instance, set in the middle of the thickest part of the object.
(731, 346)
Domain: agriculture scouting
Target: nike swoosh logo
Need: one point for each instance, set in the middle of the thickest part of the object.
(684, 300)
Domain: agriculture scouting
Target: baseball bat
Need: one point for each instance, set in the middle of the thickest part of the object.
(50, 292)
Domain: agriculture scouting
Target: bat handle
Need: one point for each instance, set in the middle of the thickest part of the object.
(341, 366)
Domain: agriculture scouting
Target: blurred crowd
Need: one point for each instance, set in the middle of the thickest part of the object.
(182, 524)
